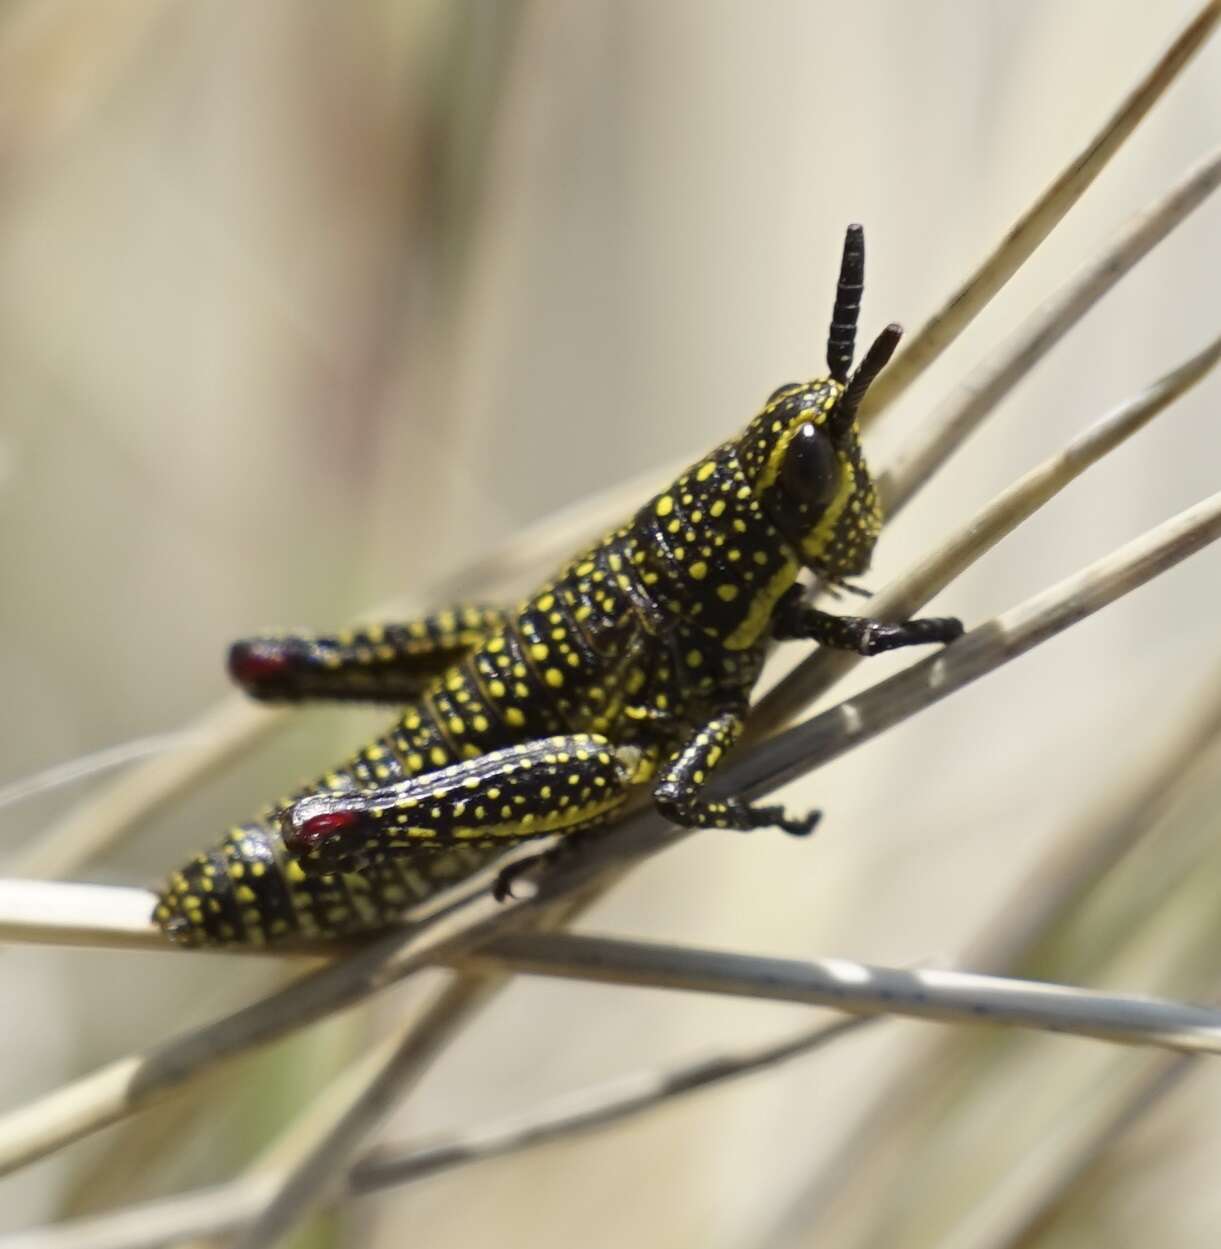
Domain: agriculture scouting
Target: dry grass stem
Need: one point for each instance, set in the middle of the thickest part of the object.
(538, 549)
(1013, 1215)
(949, 426)
(1018, 1227)
(1039, 220)
(307, 1163)
(201, 1214)
(225, 1208)
(104, 817)
(953, 996)
(1181, 764)
(83, 767)
(585, 1110)
(100, 917)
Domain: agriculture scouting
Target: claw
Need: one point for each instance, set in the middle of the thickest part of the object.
(502, 887)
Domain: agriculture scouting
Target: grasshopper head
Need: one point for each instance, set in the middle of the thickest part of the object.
(802, 453)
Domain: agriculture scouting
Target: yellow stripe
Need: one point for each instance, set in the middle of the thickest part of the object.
(760, 611)
(815, 542)
(555, 822)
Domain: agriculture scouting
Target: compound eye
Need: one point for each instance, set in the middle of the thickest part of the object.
(780, 391)
(811, 471)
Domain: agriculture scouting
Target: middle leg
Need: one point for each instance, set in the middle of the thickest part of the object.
(679, 789)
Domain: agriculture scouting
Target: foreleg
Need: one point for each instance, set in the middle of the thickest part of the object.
(796, 620)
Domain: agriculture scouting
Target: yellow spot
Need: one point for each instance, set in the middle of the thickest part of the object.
(437, 755)
(705, 471)
(694, 659)
(456, 725)
(514, 717)
(727, 593)
(554, 677)
(665, 505)
(717, 508)
(538, 650)
(546, 603)
(699, 570)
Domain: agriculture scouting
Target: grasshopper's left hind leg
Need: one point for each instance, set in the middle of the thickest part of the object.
(390, 663)
(678, 792)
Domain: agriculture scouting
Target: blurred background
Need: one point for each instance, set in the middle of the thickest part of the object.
(305, 306)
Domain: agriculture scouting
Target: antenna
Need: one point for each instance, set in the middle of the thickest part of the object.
(841, 340)
(875, 361)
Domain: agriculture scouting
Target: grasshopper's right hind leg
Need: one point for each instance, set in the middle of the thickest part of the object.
(389, 663)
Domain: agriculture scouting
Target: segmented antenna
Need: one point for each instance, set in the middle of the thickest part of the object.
(841, 341)
(875, 361)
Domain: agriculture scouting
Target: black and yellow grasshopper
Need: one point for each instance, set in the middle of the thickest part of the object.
(634, 665)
